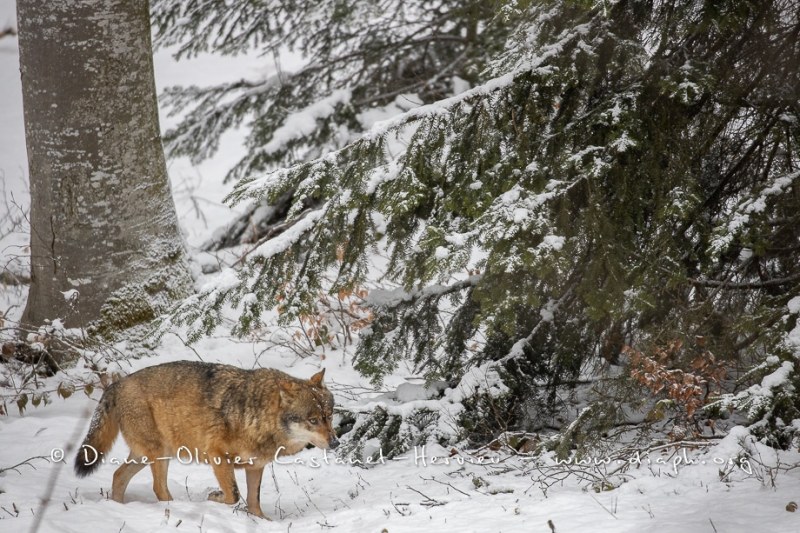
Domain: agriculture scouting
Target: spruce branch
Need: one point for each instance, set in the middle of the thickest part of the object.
(750, 285)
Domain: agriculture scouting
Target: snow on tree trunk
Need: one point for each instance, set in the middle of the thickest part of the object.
(103, 220)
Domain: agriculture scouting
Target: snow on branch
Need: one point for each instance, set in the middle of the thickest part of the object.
(440, 108)
(285, 240)
(393, 298)
(776, 282)
(230, 284)
(304, 122)
(741, 216)
(758, 395)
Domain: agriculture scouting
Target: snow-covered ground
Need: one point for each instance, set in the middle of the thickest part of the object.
(312, 494)
(416, 492)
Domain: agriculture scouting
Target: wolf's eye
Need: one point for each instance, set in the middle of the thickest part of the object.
(313, 421)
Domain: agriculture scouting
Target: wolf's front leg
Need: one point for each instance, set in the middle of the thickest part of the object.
(229, 492)
(253, 476)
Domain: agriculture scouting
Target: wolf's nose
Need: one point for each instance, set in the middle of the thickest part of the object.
(333, 443)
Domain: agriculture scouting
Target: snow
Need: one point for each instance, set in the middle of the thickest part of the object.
(13, 162)
(520, 215)
(547, 312)
(460, 85)
(428, 488)
(392, 297)
(304, 122)
(745, 254)
(794, 305)
(511, 195)
(555, 242)
(70, 294)
(408, 392)
(225, 279)
(483, 378)
(740, 217)
(382, 174)
(623, 142)
(285, 240)
(401, 103)
(198, 188)
(793, 337)
(755, 397)
(779, 378)
(459, 239)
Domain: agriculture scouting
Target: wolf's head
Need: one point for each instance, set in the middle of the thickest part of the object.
(308, 412)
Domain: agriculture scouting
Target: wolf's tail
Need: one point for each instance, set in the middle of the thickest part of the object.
(102, 432)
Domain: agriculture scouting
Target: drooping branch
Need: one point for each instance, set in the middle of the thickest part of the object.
(394, 298)
(750, 285)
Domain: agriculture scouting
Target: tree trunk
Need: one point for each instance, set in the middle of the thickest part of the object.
(103, 221)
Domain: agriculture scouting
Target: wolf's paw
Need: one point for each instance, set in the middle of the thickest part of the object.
(256, 511)
(216, 496)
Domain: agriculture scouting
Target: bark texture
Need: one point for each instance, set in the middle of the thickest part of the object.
(103, 220)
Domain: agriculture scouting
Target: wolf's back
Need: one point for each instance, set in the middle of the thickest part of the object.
(103, 431)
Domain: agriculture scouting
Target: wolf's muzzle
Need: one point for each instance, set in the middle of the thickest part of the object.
(333, 443)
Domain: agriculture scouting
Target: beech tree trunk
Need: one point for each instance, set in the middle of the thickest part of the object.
(104, 233)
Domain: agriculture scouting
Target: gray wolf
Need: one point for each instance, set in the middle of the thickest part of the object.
(220, 415)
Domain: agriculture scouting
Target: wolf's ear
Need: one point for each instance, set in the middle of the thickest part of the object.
(285, 390)
(316, 379)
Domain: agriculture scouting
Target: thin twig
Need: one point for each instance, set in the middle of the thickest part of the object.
(604, 507)
(448, 484)
(26, 462)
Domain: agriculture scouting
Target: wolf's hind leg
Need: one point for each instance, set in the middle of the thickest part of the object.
(123, 474)
(227, 484)
(254, 490)
(159, 468)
